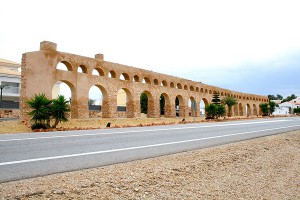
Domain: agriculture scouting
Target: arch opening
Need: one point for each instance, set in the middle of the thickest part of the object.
(124, 77)
(136, 78)
(179, 106)
(203, 104)
(112, 74)
(172, 85)
(248, 110)
(98, 72)
(146, 80)
(67, 90)
(65, 66)
(82, 69)
(147, 104)
(125, 103)
(179, 86)
(190, 106)
(164, 83)
(97, 101)
(165, 107)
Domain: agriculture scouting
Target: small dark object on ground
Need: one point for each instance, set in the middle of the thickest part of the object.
(38, 126)
(108, 124)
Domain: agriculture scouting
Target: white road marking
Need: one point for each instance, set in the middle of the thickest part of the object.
(134, 148)
(138, 131)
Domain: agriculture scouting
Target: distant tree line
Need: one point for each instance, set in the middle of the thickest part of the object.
(280, 97)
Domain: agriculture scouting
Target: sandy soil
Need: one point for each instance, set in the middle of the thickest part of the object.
(262, 168)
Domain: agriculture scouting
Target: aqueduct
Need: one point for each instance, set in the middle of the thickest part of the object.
(40, 73)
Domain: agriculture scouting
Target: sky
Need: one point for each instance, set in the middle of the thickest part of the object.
(247, 46)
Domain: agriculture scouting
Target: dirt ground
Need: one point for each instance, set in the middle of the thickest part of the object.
(17, 126)
(262, 168)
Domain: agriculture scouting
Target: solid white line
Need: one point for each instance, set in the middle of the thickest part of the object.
(133, 148)
(138, 131)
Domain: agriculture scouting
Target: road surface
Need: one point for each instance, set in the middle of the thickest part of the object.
(37, 154)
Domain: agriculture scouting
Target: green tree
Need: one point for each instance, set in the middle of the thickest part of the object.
(59, 110)
(297, 111)
(211, 111)
(214, 111)
(221, 110)
(279, 97)
(289, 98)
(144, 103)
(264, 107)
(230, 102)
(272, 106)
(40, 113)
(271, 97)
(216, 98)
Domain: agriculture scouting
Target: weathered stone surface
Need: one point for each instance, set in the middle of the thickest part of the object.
(40, 73)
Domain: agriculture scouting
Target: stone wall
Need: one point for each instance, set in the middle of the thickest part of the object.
(9, 113)
(40, 73)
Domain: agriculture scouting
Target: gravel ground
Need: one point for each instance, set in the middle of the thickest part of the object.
(262, 168)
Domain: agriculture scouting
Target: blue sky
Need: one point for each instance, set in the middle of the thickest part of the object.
(248, 46)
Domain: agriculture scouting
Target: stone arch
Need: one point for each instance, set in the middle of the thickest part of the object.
(186, 87)
(124, 77)
(180, 111)
(98, 71)
(112, 74)
(164, 83)
(179, 86)
(192, 88)
(165, 105)
(64, 65)
(155, 81)
(129, 103)
(201, 90)
(190, 107)
(136, 78)
(101, 101)
(255, 110)
(241, 109)
(172, 85)
(70, 95)
(206, 91)
(248, 110)
(203, 103)
(82, 69)
(235, 110)
(210, 92)
(149, 104)
(146, 80)
(197, 89)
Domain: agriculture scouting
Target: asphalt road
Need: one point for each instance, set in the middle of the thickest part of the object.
(37, 154)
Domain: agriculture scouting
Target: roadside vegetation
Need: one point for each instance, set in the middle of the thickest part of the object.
(46, 112)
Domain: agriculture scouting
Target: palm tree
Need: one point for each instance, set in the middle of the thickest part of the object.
(230, 102)
(40, 105)
(59, 110)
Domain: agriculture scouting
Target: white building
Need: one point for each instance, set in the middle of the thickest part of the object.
(10, 77)
(287, 107)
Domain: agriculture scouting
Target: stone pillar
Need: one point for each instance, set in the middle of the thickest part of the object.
(153, 107)
(170, 109)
